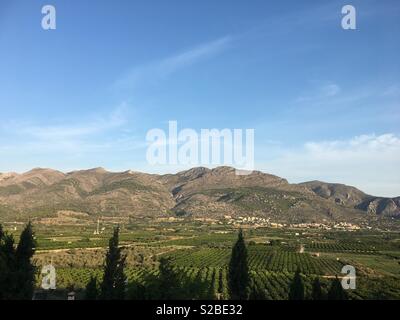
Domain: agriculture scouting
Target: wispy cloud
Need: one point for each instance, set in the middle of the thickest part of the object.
(66, 146)
(74, 130)
(114, 120)
(160, 69)
(369, 162)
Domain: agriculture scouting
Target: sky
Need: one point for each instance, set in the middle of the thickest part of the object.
(324, 102)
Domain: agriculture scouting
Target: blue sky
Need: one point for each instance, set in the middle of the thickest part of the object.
(324, 102)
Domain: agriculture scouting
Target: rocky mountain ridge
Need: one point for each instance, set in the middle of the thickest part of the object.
(198, 192)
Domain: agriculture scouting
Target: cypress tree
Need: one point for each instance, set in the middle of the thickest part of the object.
(120, 279)
(17, 276)
(336, 291)
(9, 276)
(91, 292)
(317, 290)
(114, 279)
(296, 289)
(6, 252)
(238, 274)
(25, 270)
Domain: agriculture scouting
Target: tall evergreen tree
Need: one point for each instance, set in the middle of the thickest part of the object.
(7, 249)
(25, 270)
(114, 279)
(6, 255)
(336, 291)
(120, 279)
(296, 289)
(316, 293)
(17, 276)
(91, 292)
(10, 274)
(238, 274)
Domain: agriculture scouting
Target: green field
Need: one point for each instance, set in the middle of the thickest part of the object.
(201, 250)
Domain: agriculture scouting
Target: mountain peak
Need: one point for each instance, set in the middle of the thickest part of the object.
(91, 170)
(98, 169)
(199, 191)
(39, 169)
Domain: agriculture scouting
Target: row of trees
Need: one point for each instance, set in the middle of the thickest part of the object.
(169, 284)
(17, 273)
(17, 276)
(240, 287)
(297, 291)
(166, 284)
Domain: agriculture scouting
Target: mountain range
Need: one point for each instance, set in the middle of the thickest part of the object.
(198, 192)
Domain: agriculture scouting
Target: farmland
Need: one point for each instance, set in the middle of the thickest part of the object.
(201, 250)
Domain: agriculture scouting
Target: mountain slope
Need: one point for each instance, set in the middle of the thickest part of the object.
(202, 192)
(94, 191)
(352, 197)
(198, 192)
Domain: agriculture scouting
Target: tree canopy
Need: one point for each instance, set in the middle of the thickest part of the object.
(238, 274)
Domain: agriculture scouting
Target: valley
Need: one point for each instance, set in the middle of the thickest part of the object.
(192, 218)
